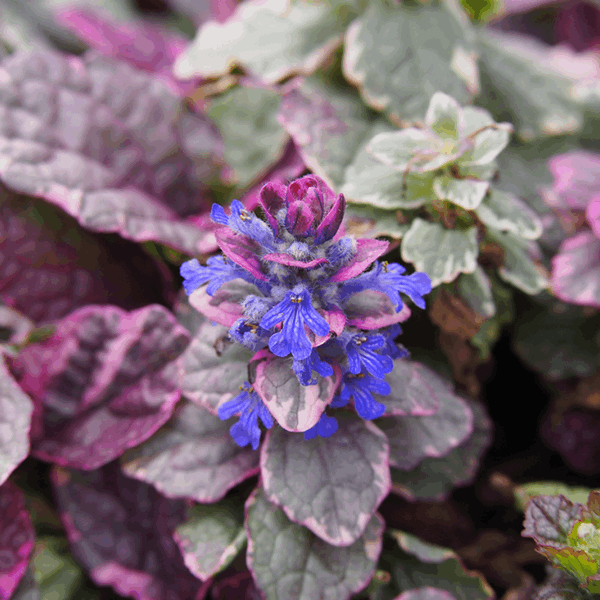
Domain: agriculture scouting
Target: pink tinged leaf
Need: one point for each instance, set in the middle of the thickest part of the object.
(225, 305)
(576, 270)
(426, 593)
(548, 519)
(16, 410)
(367, 251)
(370, 309)
(241, 250)
(576, 176)
(272, 199)
(417, 390)
(285, 259)
(212, 378)
(592, 214)
(294, 406)
(331, 485)
(336, 320)
(412, 439)
(17, 538)
(105, 381)
(121, 531)
(192, 456)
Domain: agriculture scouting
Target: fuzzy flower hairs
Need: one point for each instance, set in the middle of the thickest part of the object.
(316, 307)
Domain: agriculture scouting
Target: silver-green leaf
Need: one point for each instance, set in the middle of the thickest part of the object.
(466, 193)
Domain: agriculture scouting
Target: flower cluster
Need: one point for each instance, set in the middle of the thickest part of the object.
(311, 295)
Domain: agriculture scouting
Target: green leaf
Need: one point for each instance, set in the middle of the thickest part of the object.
(519, 269)
(288, 561)
(272, 39)
(525, 492)
(517, 75)
(444, 116)
(439, 252)
(211, 537)
(434, 478)
(506, 212)
(399, 55)
(397, 148)
(331, 485)
(466, 193)
(420, 564)
(253, 138)
(485, 145)
(476, 289)
(558, 346)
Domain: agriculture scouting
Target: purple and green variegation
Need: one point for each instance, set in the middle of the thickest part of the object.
(316, 343)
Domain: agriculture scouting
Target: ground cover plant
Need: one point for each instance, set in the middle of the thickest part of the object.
(299, 300)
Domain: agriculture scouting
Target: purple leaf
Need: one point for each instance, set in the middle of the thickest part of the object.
(417, 390)
(294, 406)
(214, 368)
(49, 265)
(549, 519)
(15, 420)
(331, 485)
(576, 176)
(592, 214)
(412, 439)
(121, 531)
(370, 309)
(192, 456)
(108, 144)
(17, 538)
(435, 478)
(241, 250)
(288, 561)
(211, 537)
(225, 305)
(105, 381)
(367, 251)
(576, 270)
(426, 593)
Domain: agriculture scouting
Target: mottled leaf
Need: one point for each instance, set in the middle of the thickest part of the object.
(253, 138)
(476, 289)
(506, 212)
(272, 39)
(121, 532)
(15, 420)
(331, 485)
(519, 76)
(192, 456)
(549, 519)
(526, 491)
(519, 267)
(422, 564)
(214, 367)
(576, 270)
(366, 222)
(439, 252)
(16, 538)
(412, 439)
(294, 406)
(466, 193)
(107, 143)
(211, 537)
(370, 309)
(558, 346)
(104, 381)
(434, 478)
(426, 593)
(288, 561)
(400, 54)
(416, 389)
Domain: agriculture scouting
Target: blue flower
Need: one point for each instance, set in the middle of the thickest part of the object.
(244, 222)
(248, 334)
(361, 387)
(219, 270)
(294, 311)
(392, 349)
(250, 406)
(360, 350)
(390, 280)
(304, 368)
(325, 428)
